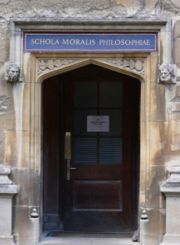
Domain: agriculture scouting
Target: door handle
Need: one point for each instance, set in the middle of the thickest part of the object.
(67, 154)
(67, 146)
(69, 169)
(73, 169)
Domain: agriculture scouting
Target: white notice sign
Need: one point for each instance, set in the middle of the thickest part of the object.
(97, 123)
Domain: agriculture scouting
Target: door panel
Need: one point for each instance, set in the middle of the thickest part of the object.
(97, 195)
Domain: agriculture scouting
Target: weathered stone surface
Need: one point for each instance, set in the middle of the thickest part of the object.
(24, 226)
(176, 3)
(17, 152)
(22, 179)
(6, 108)
(177, 43)
(2, 145)
(158, 109)
(153, 227)
(7, 121)
(15, 121)
(7, 240)
(6, 185)
(76, 8)
(175, 135)
(66, 4)
(4, 43)
(155, 198)
(153, 4)
(7, 190)
(4, 103)
(158, 143)
(131, 7)
(171, 6)
(177, 29)
(171, 188)
(176, 52)
(140, 7)
(29, 182)
(4, 179)
(89, 239)
(81, 9)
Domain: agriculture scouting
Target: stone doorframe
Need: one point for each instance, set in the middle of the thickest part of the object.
(38, 66)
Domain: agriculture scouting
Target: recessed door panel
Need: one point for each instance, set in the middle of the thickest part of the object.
(97, 195)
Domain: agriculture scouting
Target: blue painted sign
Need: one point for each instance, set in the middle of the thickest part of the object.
(75, 42)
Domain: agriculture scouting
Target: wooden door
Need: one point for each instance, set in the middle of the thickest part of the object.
(101, 116)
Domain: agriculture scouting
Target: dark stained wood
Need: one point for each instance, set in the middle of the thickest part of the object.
(98, 171)
(99, 197)
(51, 155)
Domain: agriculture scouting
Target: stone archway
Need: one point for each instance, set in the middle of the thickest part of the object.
(44, 66)
(134, 67)
(153, 112)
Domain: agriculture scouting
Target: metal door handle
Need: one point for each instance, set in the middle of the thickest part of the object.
(67, 147)
(69, 169)
(73, 168)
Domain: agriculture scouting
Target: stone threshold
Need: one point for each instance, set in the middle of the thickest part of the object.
(88, 239)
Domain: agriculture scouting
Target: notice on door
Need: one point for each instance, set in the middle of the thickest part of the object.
(97, 123)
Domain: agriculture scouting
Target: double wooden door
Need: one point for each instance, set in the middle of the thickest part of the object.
(98, 150)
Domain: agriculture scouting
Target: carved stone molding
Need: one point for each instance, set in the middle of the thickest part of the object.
(46, 65)
(167, 73)
(4, 103)
(134, 65)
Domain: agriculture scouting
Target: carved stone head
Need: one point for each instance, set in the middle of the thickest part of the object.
(12, 73)
(167, 73)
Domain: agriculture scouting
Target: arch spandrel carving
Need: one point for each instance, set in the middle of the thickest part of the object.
(134, 65)
(47, 66)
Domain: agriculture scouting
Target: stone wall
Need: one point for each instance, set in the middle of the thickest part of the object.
(167, 123)
(80, 10)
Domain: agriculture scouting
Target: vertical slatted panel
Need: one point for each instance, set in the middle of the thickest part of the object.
(110, 150)
(85, 151)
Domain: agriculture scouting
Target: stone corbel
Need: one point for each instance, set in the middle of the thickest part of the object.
(13, 73)
(167, 73)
